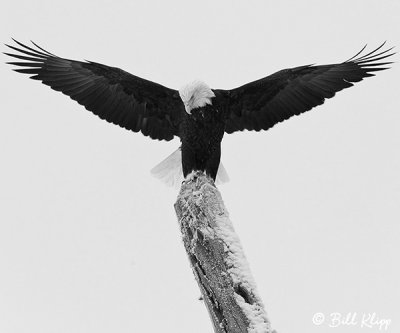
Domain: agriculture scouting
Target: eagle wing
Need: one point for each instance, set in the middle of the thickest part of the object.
(261, 104)
(109, 92)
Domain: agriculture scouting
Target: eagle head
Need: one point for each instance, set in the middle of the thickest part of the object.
(195, 94)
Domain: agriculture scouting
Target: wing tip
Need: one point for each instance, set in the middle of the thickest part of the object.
(371, 56)
(370, 62)
(37, 51)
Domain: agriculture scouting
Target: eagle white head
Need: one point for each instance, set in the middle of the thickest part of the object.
(196, 94)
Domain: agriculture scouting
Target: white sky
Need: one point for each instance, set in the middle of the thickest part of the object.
(89, 241)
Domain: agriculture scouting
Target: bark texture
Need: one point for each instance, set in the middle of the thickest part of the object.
(217, 259)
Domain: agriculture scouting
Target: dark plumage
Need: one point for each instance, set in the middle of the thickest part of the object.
(198, 115)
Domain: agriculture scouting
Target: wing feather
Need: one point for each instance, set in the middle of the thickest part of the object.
(109, 92)
(263, 103)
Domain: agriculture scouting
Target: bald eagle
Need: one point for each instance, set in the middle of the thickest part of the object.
(197, 114)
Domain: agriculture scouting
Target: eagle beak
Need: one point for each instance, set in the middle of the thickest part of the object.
(187, 109)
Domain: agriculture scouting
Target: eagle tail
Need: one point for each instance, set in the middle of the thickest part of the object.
(222, 175)
(170, 171)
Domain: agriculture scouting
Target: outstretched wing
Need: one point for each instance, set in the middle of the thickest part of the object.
(109, 92)
(261, 104)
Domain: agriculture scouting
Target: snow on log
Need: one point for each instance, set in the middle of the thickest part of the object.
(217, 259)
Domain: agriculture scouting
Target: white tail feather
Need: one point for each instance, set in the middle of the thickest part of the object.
(169, 170)
(222, 175)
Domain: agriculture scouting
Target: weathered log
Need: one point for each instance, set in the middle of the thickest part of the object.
(217, 259)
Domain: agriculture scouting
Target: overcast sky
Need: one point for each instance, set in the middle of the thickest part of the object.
(89, 241)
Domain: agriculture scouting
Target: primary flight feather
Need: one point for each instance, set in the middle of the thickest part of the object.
(196, 114)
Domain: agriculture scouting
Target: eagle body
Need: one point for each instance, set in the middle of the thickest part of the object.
(201, 134)
(197, 114)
